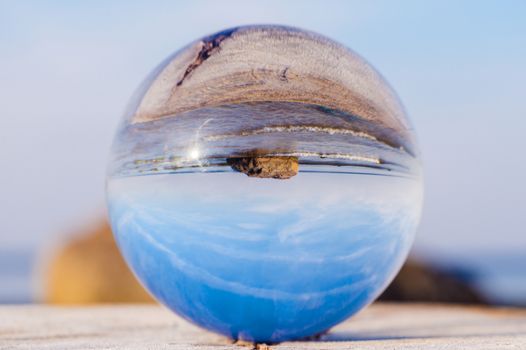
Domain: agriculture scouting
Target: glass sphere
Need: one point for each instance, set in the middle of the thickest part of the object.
(265, 183)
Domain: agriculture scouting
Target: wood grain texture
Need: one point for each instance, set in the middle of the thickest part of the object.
(381, 326)
(269, 63)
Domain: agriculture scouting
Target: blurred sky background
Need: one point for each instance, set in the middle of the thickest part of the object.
(68, 69)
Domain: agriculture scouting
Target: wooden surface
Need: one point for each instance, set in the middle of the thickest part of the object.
(381, 326)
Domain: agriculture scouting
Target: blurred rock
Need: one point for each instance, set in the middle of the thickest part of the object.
(90, 269)
(417, 282)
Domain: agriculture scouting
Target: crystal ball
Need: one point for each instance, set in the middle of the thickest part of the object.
(265, 183)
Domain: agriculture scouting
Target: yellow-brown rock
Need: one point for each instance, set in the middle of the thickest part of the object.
(266, 167)
(90, 269)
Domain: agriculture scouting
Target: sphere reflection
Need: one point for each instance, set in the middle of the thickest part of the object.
(265, 183)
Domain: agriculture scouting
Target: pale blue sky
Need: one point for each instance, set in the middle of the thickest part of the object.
(67, 70)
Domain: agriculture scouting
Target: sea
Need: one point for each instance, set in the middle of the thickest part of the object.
(500, 277)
